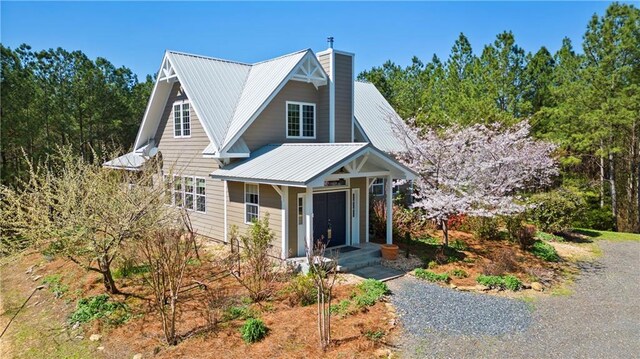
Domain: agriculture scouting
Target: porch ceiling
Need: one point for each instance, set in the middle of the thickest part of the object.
(310, 164)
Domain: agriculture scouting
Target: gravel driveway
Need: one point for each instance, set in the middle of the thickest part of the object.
(600, 320)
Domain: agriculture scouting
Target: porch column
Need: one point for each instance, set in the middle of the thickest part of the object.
(308, 222)
(389, 194)
(284, 218)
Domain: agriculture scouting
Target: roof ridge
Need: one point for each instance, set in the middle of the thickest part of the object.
(209, 58)
(281, 56)
(318, 144)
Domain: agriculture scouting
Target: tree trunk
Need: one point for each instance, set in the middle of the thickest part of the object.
(612, 183)
(601, 174)
(445, 232)
(107, 276)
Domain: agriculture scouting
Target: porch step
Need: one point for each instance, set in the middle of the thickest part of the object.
(352, 265)
(367, 255)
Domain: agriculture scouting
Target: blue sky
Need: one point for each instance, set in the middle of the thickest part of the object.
(135, 34)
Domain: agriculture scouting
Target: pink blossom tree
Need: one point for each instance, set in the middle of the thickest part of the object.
(478, 170)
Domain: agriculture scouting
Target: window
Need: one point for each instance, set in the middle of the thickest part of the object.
(181, 120)
(188, 193)
(300, 210)
(201, 199)
(377, 188)
(301, 120)
(177, 191)
(395, 189)
(251, 202)
(167, 191)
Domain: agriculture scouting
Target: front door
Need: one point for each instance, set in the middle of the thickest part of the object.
(329, 218)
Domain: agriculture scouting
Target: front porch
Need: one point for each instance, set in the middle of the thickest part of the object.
(323, 191)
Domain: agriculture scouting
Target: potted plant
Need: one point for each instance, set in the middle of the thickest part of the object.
(390, 251)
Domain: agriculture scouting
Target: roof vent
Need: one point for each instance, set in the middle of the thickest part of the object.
(330, 41)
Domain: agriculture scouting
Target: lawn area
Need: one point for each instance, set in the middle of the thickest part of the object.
(608, 235)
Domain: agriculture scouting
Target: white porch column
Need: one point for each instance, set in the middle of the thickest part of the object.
(389, 194)
(284, 197)
(308, 221)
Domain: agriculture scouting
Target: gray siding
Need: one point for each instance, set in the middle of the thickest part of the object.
(184, 156)
(269, 201)
(344, 97)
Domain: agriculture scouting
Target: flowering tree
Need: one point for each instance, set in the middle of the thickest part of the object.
(477, 170)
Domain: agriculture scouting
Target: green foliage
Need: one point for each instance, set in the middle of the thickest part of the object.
(459, 245)
(342, 308)
(54, 282)
(484, 227)
(301, 290)
(374, 335)
(100, 307)
(548, 237)
(238, 312)
(127, 271)
(596, 218)
(371, 290)
(545, 251)
(509, 282)
(431, 276)
(555, 211)
(432, 264)
(458, 273)
(253, 330)
(429, 240)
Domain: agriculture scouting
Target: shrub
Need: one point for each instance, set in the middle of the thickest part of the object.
(545, 251)
(258, 273)
(301, 290)
(238, 312)
(502, 282)
(374, 335)
(432, 264)
(459, 273)
(484, 227)
(403, 219)
(596, 218)
(431, 276)
(457, 222)
(371, 291)
(458, 245)
(54, 281)
(555, 211)
(128, 270)
(342, 308)
(100, 307)
(253, 330)
(502, 261)
(429, 240)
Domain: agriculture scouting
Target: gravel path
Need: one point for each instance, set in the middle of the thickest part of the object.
(600, 320)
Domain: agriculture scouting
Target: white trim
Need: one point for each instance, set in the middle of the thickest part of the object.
(180, 103)
(308, 219)
(301, 120)
(251, 204)
(332, 97)
(195, 194)
(336, 176)
(149, 105)
(285, 222)
(354, 206)
(389, 204)
(301, 229)
(353, 95)
(359, 127)
(366, 227)
(225, 196)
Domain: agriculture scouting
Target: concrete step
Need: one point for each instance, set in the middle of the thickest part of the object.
(358, 253)
(357, 263)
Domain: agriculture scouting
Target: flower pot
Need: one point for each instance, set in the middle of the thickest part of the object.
(390, 251)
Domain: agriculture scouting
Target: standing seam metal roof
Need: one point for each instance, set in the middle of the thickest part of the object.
(372, 111)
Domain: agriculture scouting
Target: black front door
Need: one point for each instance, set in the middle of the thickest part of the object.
(330, 212)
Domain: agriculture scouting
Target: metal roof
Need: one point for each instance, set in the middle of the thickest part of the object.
(289, 163)
(302, 164)
(130, 161)
(225, 94)
(372, 111)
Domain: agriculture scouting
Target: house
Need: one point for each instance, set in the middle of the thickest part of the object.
(294, 136)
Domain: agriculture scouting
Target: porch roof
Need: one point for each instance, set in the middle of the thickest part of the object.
(307, 164)
(131, 161)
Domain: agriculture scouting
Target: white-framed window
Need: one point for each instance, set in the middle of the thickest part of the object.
(377, 188)
(188, 193)
(251, 202)
(395, 189)
(301, 120)
(300, 211)
(178, 194)
(168, 193)
(181, 119)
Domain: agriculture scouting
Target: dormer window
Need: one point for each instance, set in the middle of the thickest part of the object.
(301, 120)
(181, 119)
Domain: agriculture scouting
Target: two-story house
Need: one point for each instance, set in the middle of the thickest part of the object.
(296, 137)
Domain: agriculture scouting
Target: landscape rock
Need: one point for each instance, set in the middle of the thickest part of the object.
(481, 288)
(35, 278)
(95, 337)
(526, 286)
(137, 356)
(537, 286)
(30, 270)
(100, 348)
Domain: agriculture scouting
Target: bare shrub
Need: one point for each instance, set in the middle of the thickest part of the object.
(167, 251)
(324, 273)
(502, 261)
(258, 272)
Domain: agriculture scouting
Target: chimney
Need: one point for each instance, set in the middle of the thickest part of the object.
(330, 41)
